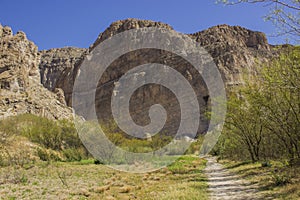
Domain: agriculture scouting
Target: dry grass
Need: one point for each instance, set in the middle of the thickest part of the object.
(84, 180)
(271, 180)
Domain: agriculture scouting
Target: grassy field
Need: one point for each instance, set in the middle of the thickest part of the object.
(85, 180)
(44, 159)
(275, 179)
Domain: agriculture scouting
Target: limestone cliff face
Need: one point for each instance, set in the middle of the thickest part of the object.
(21, 90)
(16, 50)
(24, 71)
(127, 24)
(234, 49)
(58, 68)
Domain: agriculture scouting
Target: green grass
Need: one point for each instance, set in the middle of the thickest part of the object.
(187, 164)
(86, 162)
(56, 177)
(85, 180)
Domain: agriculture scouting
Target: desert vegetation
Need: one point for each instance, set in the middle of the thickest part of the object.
(261, 136)
(43, 158)
(52, 163)
(260, 142)
(28, 137)
(263, 115)
(257, 155)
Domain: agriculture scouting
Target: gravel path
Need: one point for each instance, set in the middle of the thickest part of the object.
(226, 185)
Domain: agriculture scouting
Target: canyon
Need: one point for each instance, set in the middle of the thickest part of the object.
(41, 82)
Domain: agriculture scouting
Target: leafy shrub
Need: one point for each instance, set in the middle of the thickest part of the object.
(43, 154)
(73, 154)
(266, 164)
(57, 139)
(51, 134)
(195, 146)
(280, 179)
(56, 135)
(132, 144)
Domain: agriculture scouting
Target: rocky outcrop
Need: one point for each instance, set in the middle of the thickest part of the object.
(58, 69)
(127, 24)
(24, 71)
(234, 49)
(21, 90)
(16, 51)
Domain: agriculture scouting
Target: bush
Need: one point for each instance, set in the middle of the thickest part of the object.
(195, 146)
(266, 164)
(56, 135)
(43, 154)
(280, 179)
(133, 144)
(48, 155)
(73, 154)
(55, 138)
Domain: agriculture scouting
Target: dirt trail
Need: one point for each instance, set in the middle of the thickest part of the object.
(226, 185)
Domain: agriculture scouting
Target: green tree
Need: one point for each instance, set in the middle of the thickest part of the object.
(281, 99)
(264, 114)
(245, 122)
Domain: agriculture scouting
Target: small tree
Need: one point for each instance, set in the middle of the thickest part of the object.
(264, 115)
(245, 122)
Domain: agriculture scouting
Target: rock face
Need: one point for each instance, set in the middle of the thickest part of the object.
(21, 90)
(58, 68)
(233, 48)
(42, 82)
(128, 24)
(16, 50)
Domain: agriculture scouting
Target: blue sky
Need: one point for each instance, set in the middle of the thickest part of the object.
(59, 23)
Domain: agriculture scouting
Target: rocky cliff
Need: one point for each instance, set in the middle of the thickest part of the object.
(22, 69)
(58, 68)
(20, 87)
(234, 49)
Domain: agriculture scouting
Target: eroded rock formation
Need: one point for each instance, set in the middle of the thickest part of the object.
(235, 50)
(58, 69)
(21, 90)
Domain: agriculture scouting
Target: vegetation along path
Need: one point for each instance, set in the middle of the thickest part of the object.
(226, 185)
